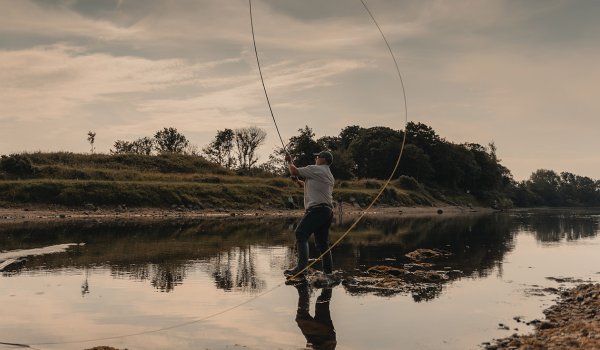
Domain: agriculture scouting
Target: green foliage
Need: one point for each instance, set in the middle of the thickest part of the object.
(63, 162)
(169, 140)
(17, 164)
(408, 183)
(416, 163)
(303, 147)
(144, 145)
(220, 150)
(547, 188)
(375, 151)
(77, 193)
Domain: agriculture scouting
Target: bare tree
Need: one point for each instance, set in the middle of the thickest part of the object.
(91, 138)
(247, 141)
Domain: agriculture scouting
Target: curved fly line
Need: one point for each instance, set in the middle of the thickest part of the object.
(356, 221)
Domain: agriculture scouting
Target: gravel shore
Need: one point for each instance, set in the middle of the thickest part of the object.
(573, 323)
(41, 214)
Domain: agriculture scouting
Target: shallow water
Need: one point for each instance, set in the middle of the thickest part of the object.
(130, 278)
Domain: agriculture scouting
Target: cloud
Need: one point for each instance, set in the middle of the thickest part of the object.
(57, 22)
(54, 81)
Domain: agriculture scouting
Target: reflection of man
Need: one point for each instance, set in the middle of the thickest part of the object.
(318, 330)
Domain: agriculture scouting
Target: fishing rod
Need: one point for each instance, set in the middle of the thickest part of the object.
(262, 80)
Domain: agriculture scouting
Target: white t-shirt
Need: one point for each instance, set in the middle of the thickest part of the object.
(318, 185)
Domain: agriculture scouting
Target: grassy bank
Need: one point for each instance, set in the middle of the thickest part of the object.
(68, 179)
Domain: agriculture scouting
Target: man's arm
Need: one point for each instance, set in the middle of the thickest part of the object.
(298, 182)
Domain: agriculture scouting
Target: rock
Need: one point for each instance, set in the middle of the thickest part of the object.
(90, 206)
(412, 267)
(425, 254)
(381, 269)
(12, 264)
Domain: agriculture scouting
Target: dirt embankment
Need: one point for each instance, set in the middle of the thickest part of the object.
(573, 323)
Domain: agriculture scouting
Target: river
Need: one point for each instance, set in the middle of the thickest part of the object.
(217, 283)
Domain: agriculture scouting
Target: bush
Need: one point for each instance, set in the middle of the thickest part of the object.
(408, 183)
(279, 182)
(17, 164)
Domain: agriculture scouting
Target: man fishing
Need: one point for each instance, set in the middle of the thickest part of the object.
(318, 187)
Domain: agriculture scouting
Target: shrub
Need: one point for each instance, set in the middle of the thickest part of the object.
(279, 182)
(408, 183)
(17, 164)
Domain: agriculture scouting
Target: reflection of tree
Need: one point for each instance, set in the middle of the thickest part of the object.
(166, 277)
(477, 245)
(555, 226)
(85, 286)
(163, 277)
(236, 269)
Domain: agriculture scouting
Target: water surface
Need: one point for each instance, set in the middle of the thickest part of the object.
(113, 279)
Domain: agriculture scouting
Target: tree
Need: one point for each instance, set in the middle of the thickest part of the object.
(220, 150)
(422, 136)
(122, 147)
(343, 166)
(348, 134)
(169, 140)
(545, 184)
(247, 141)
(143, 145)
(375, 151)
(91, 138)
(303, 147)
(415, 163)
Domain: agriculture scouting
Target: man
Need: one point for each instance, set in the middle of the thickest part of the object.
(318, 203)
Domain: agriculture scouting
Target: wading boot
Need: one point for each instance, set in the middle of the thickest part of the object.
(302, 260)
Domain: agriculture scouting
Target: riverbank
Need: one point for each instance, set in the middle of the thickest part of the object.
(44, 214)
(573, 323)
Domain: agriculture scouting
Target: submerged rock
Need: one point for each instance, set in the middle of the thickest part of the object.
(426, 254)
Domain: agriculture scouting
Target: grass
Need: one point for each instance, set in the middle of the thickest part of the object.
(70, 179)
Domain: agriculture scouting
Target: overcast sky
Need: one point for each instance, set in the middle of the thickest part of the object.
(523, 74)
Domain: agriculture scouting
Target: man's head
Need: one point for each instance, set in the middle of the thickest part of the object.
(323, 157)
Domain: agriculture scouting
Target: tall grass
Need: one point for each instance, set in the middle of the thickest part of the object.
(71, 179)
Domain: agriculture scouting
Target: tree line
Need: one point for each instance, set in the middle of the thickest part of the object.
(548, 188)
(428, 160)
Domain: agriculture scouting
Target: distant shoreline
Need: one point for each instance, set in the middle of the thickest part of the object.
(29, 214)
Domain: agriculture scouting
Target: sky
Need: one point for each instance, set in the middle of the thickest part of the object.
(521, 74)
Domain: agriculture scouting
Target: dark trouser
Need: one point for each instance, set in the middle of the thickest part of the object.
(316, 220)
